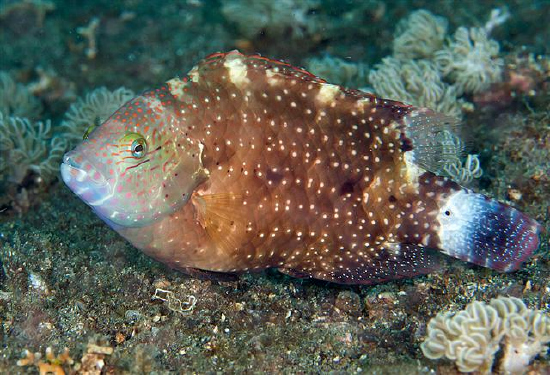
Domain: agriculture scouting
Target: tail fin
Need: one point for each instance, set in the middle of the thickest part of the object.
(485, 232)
(470, 226)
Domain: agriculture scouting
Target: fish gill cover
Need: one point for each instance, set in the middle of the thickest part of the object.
(68, 281)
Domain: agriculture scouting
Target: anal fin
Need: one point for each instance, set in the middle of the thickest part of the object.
(209, 275)
(390, 261)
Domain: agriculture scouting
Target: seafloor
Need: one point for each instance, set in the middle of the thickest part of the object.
(67, 280)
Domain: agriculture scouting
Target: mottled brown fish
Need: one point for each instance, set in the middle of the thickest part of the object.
(250, 163)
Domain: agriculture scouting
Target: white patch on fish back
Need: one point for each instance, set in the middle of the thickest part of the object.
(237, 70)
(327, 93)
(176, 86)
(411, 171)
(271, 76)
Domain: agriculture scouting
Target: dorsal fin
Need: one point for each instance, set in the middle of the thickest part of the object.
(252, 62)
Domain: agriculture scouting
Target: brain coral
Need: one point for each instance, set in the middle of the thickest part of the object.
(473, 336)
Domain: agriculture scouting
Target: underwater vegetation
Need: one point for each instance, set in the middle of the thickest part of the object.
(68, 281)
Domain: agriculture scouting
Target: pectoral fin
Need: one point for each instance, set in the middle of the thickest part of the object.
(222, 216)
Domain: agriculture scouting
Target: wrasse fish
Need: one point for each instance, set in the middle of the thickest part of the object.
(249, 163)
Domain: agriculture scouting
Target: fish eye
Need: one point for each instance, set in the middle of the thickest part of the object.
(139, 148)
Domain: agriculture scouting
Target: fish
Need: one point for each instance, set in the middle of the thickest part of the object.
(248, 163)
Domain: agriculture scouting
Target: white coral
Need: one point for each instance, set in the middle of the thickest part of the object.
(470, 60)
(419, 35)
(26, 146)
(415, 82)
(473, 336)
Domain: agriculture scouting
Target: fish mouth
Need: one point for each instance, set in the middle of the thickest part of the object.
(71, 172)
(90, 185)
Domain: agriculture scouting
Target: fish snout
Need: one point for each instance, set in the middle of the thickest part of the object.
(82, 178)
(71, 170)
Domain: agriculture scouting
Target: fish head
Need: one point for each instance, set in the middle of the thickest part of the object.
(138, 166)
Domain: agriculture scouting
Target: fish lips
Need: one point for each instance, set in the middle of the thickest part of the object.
(91, 186)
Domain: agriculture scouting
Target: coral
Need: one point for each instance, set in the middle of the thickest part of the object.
(470, 61)
(275, 19)
(464, 172)
(419, 35)
(52, 365)
(338, 71)
(52, 88)
(421, 61)
(497, 17)
(89, 32)
(16, 99)
(92, 362)
(94, 109)
(473, 336)
(415, 82)
(425, 71)
(26, 147)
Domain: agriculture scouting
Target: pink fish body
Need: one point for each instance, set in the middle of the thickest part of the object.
(249, 163)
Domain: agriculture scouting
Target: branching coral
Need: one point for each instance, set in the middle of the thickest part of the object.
(419, 35)
(473, 336)
(26, 146)
(16, 100)
(338, 71)
(94, 109)
(470, 60)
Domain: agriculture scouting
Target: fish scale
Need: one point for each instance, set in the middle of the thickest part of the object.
(249, 163)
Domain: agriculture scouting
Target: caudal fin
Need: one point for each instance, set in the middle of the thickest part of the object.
(482, 231)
